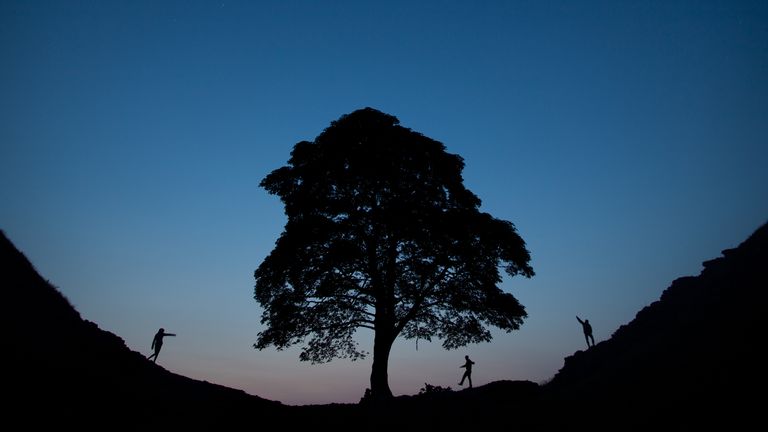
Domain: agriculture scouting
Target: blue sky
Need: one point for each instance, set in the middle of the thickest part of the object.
(626, 140)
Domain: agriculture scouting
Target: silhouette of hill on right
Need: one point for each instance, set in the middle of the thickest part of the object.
(692, 356)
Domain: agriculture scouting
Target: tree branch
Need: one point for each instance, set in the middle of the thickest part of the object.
(418, 303)
(353, 298)
(349, 324)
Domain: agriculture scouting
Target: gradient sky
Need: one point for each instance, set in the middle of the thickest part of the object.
(627, 141)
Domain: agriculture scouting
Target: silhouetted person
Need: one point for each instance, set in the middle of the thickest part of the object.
(587, 331)
(157, 342)
(467, 372)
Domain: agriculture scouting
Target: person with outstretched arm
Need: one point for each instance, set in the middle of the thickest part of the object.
(587, 328)
(467, 371)
(157, 343)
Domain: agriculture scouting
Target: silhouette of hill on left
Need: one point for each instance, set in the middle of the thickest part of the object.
(66, 371)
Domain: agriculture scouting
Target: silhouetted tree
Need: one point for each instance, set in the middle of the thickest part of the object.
(382, 234)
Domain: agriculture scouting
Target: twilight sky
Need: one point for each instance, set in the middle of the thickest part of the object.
(627, 141)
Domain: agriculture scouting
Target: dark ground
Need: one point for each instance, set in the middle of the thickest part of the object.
(689, 361)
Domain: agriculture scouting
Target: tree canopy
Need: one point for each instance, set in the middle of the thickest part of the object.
(383, 235)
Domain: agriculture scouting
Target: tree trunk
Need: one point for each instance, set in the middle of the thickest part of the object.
(382, 344)
(384, 322)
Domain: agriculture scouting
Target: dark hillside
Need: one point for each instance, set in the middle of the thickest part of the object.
(512, 405)
(693, 357)
(689, 361)
(64, 370)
